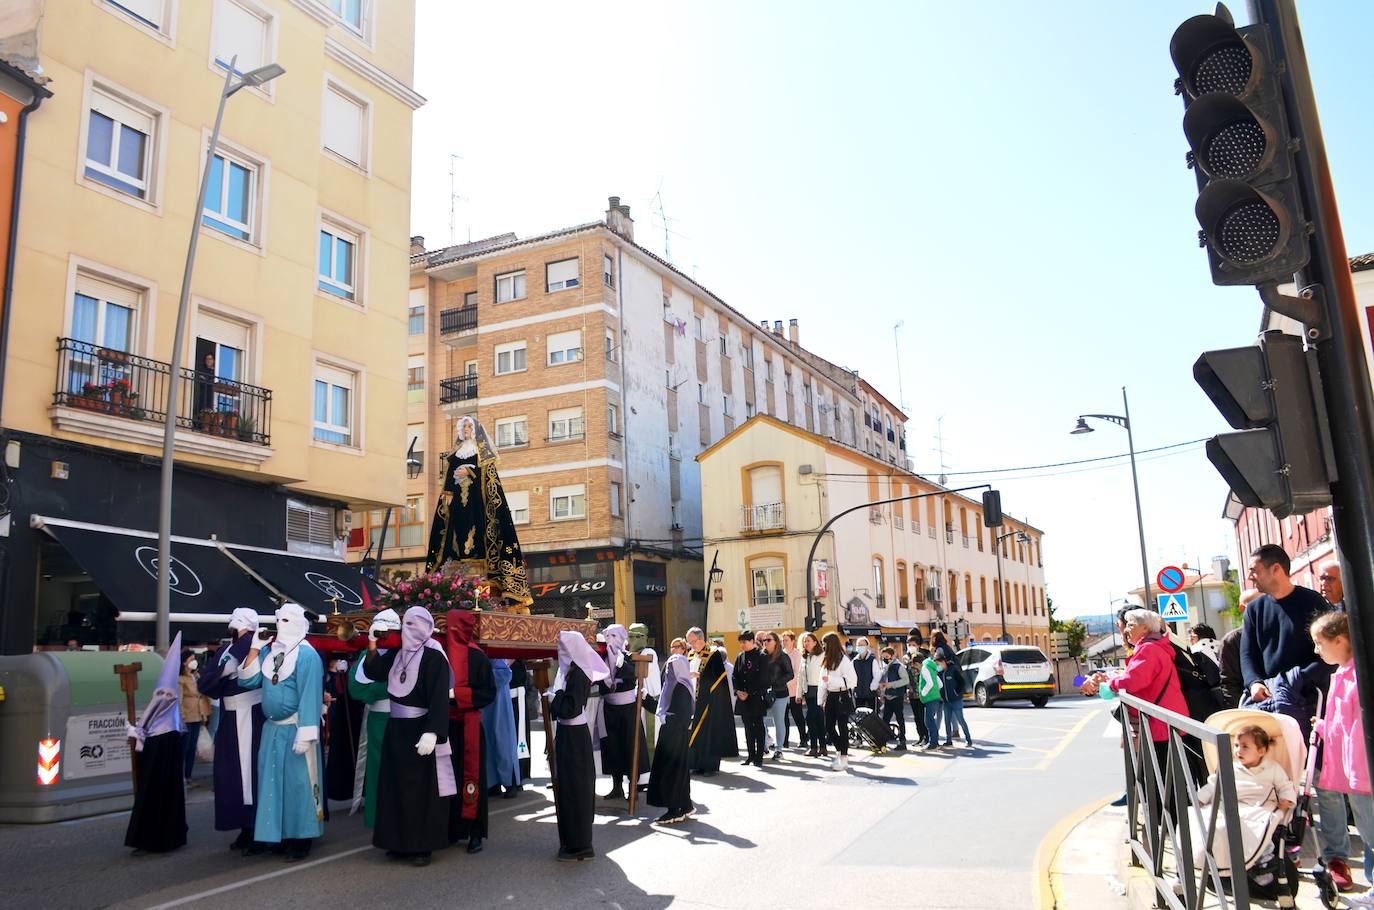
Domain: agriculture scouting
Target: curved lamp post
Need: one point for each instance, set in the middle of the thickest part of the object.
(1124, 421)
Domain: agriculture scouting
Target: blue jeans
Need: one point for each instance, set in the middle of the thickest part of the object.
(188, 747)
(955, 710)
(932, 723)
(778, 714)
(1333, 830)
(1363, 806)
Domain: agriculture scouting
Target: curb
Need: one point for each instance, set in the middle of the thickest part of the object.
(1042, 869)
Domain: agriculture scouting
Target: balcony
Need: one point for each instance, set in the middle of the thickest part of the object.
(117, 395)
(458, 389)
(768, 517)
(458, 324)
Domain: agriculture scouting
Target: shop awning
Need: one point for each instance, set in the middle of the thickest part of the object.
(317, 584)
(122, 562)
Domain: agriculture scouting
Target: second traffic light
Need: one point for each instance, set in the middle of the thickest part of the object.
(1271, 391)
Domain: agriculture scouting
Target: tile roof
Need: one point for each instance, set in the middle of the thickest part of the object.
(1362, 263)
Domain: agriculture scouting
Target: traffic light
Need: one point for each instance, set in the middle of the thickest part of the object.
(1249, 204)
(1272, 392)
(992, 509)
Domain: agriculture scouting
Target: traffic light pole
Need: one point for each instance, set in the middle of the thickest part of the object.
(811, 554)
(1340, 352)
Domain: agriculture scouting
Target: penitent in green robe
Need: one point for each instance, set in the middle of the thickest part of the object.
(373, 694)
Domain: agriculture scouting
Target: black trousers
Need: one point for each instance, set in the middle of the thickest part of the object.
(815, 721)
(754, 738)
(795, 714)
(836, 723)
(895, 707)
(918, 711)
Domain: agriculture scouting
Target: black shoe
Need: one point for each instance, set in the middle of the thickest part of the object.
(474, 844)
(494, 790)
(1119, 801)
(685, 814)
(667, 818)
(617, 793)
(511, 792)
(296, 854)
(420, 859)
(242, 841)
(568, 855)
(396, 854)
(139, 851)
(256, 848)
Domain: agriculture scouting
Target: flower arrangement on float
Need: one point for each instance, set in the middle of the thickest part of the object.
(439, 592)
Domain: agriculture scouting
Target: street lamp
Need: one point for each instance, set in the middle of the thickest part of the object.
(251, 79)
(1125, 423)
(1002, 597)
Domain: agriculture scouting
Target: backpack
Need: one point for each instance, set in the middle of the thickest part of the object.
(1200, 681)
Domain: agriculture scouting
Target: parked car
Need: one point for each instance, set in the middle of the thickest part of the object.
(996, 672)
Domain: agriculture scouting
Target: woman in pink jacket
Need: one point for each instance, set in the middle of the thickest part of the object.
(1345, 763)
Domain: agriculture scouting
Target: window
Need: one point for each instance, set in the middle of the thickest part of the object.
(902, 600)
(610, 346)
(415, 380)
(510, 286)
(348, 12)
(510, 358)
(231, 196)
(806, 392)
(698, 328)
(512, 431)
(242, 33)
(607, 271)
(564, 347)
(770, 585)
(724, 346)
(345, 117)
(615, 499)
(559, 276)
(725, 405)
(334, 399)
(519, 502)
(415, 322)
(983, 589)
(565, 423)
(152, 13)
(104, 315)
(613, 419)
(787, 382)
(470, 299)
(768, 369)
(228, 340)
(879, 589)
(749, 409)
(338, 266)
(568, 502)
(746, 354)
(119, 144)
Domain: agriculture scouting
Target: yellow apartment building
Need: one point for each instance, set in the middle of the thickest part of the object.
(600, 371)
(292, 410)
(919, 565)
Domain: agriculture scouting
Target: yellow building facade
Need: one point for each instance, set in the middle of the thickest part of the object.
(299, 292)
(922, 565)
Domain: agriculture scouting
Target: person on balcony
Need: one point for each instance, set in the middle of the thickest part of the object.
(204, 390)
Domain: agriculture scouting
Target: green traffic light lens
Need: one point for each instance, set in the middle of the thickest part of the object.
(1224, 68)
(1236, 150)
(1248, 232)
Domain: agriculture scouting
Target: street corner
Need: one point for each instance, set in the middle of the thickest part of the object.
(1079, 862)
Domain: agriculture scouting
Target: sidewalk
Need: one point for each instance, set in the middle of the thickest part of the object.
(1085, 865)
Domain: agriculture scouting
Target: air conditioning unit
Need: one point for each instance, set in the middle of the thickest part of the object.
(933, 595)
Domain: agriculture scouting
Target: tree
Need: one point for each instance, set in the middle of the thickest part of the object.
(1075, 630)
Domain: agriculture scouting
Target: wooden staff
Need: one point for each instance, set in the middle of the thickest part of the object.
(641, 662)
(128, 682)
(541, 683)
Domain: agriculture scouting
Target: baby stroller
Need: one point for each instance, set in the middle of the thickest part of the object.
(867, 731)
(1272, 841)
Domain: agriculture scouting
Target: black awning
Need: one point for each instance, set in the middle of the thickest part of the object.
(313, 583)
(123, 564)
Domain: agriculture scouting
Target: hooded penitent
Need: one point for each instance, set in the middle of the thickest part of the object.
(474, 687)
(158, 820)
(677, 673)
(163, 713)
(239, 734)
(573, 649)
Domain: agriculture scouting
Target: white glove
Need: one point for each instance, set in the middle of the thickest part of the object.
(374, 633)
(426, 744)
(302, 746)
(134, 732)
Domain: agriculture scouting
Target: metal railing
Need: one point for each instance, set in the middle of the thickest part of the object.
(458, 319)
(767, 517)
(459, 388)
(114, 382)
(1158, 834)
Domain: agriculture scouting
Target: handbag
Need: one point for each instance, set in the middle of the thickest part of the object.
(844, 701)
(205, 745)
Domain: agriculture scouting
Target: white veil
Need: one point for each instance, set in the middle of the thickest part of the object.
(480, 445)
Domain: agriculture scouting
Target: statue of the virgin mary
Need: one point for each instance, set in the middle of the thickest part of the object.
(472, 522)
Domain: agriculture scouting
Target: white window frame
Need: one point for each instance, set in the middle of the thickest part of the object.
(260, 172)
(612, 355)
(749, 410)
(768, 577)
(519, 432)
(364, 104)
(612, 418)
(269, 51)
(111, 95)
(166, 28)
(615, 494)
(698, 328)
(724, 346)
(563, 284)
(509, 348)
(512, 277)
(519, 503)
(570, 497)
(557, 351)
(747, 355)
(767, 368)
(567, 424)
(361, 30)
(607, 270)
(252, 323)
(725, 404)
(341, 228)
(326, 368)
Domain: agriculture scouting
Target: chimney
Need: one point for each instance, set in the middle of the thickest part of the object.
(417, 245)
(792, 333)
(764, 324)
(618, 218)
(777, 327)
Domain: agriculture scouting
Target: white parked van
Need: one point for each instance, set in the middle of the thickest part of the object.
(997, 672)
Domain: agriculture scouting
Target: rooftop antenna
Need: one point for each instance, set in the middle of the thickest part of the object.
(940, 448)
(453, 198)
(897, 343)
(663, 216)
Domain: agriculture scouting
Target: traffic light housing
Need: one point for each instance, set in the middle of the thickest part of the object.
(992, 509)
(1249, 207)
(1271, 391)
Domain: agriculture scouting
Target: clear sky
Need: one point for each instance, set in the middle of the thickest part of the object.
(1005, 179)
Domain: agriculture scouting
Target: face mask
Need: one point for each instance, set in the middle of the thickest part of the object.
(863, 652)
(192, 664)
(849, 651)
(911, 651)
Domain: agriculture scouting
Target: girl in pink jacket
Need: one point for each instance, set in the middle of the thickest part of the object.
(1345, 764)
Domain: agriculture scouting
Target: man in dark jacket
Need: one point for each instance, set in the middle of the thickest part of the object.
(1274, 638)
(751, 688)
(864, 661)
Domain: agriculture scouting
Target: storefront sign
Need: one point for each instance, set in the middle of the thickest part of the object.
(95, 746)
(820, 578)
(650, 578)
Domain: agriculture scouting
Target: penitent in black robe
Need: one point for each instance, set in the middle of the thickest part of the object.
(573, 764)
(670, 780)
(481, 692)
(345, 726)
(158, 821)
(713, 726)
(621, 725)
(411, 815)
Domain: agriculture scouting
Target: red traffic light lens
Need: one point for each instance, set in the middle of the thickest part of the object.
(1236, 150)
(1222, 68)
(1248, 232)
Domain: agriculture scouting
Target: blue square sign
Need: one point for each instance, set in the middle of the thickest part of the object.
(1174, 607)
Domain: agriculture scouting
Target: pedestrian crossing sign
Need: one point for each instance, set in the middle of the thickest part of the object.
(1174, 607)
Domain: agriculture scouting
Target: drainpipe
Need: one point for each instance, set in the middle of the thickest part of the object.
(39, 95)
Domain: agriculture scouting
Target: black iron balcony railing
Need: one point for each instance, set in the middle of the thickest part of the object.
(459, 388)
(109, 381)
(458, 319)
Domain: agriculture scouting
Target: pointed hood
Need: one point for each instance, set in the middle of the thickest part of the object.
(163, 714)
(574, 649)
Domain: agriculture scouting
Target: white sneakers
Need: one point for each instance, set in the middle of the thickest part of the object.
(839, 763)
(835, 763)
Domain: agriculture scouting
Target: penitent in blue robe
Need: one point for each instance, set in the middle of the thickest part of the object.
(290, 799)
(498, 726)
